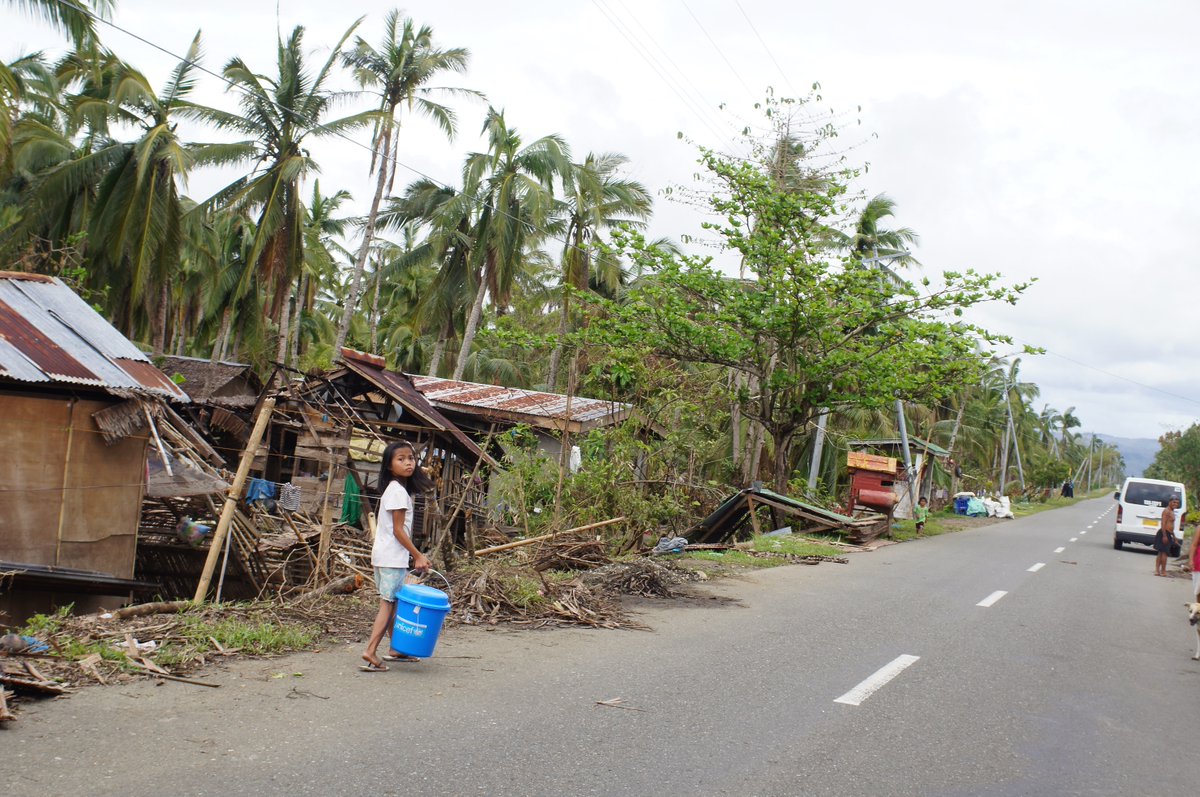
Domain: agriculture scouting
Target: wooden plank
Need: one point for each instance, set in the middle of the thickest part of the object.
(872, 462)
(753, 517)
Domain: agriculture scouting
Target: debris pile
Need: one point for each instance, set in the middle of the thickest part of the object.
(494, 592)
(641, 577)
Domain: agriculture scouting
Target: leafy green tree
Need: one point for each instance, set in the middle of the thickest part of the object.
(810, 332)
(1178, 458)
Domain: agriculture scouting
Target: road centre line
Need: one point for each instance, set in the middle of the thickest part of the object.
(1073, 539)
(1036, 567)
(990, 600)
(872, 684)
(1083, 532)
(1059, 549)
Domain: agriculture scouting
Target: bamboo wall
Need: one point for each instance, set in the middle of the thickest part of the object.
(66, 498)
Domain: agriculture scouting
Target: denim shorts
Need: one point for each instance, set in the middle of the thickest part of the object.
(389, 580)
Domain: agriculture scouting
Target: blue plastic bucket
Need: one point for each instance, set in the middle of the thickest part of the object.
(420, 611)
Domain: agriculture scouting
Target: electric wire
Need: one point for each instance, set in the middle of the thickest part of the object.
(309, 127)
(766, 49)
(717, 47)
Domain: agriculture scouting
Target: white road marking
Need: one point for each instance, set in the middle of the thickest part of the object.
(991, 599)
(1060, 549)
(881, 676)
(1073, 539)
(1036, 567)
(1084, 531)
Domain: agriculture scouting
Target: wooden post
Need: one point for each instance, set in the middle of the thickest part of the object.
(233, 496)
(753, 517)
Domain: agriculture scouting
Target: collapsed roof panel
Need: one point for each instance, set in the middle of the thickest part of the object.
(516, 405)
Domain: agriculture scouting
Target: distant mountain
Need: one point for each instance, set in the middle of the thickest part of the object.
(1138, 452)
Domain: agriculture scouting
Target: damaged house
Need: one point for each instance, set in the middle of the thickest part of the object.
(78, 403)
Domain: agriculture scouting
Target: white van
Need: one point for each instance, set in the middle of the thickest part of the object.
(1140, 504)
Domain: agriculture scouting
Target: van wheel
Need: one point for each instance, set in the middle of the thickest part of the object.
(1117, 544)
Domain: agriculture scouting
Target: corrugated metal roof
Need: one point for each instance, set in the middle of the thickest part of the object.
(400, 387)
(896, 442)
(49, 334)
(510, 401)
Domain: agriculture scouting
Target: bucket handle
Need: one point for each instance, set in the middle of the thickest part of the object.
(439, 575)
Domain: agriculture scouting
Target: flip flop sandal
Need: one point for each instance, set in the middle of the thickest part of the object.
(369, 667)
(399, 657)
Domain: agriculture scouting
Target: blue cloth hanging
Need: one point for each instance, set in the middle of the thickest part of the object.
(259, 490)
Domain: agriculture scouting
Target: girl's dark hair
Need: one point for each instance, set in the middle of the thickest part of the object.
(418, 482)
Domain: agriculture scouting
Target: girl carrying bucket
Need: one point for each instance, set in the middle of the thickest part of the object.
(399, 476)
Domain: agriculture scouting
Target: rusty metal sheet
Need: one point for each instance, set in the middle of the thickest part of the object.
(400, 388)
(471, 396)
(39, 349)
(149, 377)
(49, 334)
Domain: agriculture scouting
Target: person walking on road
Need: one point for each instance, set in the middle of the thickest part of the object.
(393, 550)
(1194, 561)
(1165, 537)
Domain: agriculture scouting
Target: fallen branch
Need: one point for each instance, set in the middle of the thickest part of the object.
(519, 543)
(5, 716)
(144, 609)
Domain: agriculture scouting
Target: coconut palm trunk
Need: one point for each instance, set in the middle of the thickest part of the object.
(360, 260)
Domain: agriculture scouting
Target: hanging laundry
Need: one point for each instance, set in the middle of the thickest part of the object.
(289, 497)
(259, 490)
(351, 502)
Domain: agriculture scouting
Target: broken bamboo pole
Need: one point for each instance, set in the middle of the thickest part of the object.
(144, 609)
(233, 496)
(519, 543)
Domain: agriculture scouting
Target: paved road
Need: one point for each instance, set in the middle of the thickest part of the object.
(1077, 680)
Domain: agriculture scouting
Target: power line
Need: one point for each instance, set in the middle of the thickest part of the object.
(717, 47)
(681, 72)
(766, 49)
(696, 108)
(305, 124)
(1097, 369)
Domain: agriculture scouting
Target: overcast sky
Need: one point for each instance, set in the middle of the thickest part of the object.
(1048, 139)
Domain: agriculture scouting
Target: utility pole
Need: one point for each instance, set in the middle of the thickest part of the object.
(1016, 450)
(814, 467)
(1007, 442)
(1091, 446)
(908, 468)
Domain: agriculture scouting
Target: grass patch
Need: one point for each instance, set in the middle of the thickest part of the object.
(734, 558)
(43, 626)
(794, 546)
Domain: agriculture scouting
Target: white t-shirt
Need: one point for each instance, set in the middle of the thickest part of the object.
(387, 550)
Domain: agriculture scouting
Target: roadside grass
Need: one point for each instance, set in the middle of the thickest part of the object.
(785, 545)
(734, 558)
(904, 530)
(248, 629)
(794, 545)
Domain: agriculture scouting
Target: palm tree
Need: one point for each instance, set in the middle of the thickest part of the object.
(134, 233)
(399, 69)
(77, 19)
(596, 198)
(278, 114)
(448, 218)
(514, 186)
(868, 238)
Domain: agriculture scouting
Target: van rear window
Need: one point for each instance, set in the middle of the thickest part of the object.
(1151, 494)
